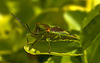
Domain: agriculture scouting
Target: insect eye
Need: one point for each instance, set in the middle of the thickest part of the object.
(48, 30)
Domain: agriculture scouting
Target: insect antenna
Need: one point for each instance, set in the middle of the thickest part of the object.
(27, 28)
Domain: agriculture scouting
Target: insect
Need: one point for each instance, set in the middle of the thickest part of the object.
(48, 33)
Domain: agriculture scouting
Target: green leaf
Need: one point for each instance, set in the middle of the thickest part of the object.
(3, 7)
(63, 59)
(53, 17)
(58, 48)
(54, 59)
(74, 19)
(90, 28)
(68, 58)
(93, 51)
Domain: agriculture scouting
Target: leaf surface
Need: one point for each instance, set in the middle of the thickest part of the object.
(58, 48)
(91, 27)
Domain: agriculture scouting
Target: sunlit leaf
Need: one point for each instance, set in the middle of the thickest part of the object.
(58, 48)
(90, 27)
(94, 48)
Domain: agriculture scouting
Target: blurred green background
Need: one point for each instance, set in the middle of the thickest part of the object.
(68, 14)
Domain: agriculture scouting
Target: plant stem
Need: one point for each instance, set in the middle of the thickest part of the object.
(84, 57)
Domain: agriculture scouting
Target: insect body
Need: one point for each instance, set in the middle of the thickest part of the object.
(48, 33)
(54, 33)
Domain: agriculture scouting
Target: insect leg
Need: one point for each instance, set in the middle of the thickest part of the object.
(48, 40)
(31, 46)
(27, 35)
(27, 40)
(37, 40)
(49, 46)
(34, 42)
(28, 28)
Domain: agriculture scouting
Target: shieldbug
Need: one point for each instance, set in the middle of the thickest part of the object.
(48, 33)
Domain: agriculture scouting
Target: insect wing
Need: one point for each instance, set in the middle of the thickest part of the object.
(56, 29)
(62, 33)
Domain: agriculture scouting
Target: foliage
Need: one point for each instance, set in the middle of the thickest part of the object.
(70, 15)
